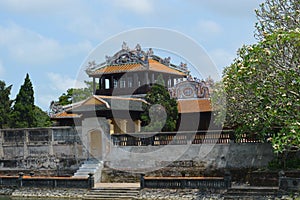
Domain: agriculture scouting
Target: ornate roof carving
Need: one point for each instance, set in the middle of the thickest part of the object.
(133, 56)
(190, 89)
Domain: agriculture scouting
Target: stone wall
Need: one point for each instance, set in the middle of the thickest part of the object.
(127, 163)
(61, 150)
(209, 157)
(55, 150)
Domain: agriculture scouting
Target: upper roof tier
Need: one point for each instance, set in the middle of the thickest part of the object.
(132, 60)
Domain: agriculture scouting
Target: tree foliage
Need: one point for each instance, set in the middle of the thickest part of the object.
(274, 15)
(5, 105)
(41, 118)
(24, 113)
(262, 85)
(76, 94)
(161, 112)
(23, 108)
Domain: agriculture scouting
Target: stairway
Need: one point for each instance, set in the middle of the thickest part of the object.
(90, 166)
(111, 193)
(251, 193)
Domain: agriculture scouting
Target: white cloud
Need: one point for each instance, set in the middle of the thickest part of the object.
(137, 6)
(209, 27)
(63, 82)
(28, 47)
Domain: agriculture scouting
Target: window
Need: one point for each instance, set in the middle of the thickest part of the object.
(107, 82)
(122, 83)
(129, 82)
(115, 83)
(169, 83)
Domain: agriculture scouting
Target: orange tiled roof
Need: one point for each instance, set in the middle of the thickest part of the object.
(65, 115)
(194, 105)
(184, 105)
(153, 66)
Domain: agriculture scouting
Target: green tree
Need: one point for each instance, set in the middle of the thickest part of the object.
(262, 92)
(74, 95)
(161, 112)
(5, 105)
(262, 84)
(23, 108)
(41, 118)
(275, 15)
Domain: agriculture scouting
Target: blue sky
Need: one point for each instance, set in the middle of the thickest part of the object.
(50, 39)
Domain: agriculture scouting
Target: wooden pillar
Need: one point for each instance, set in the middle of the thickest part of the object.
(94, 85)
(101, 85)
(111, 82)
(137, 126)
(123, 125)
(111, 126)
(103, 82)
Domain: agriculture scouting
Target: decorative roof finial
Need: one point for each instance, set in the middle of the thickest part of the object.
(150, 52)
(138, 48)
(125, 46)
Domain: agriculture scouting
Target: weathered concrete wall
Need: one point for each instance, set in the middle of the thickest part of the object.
(126, 163)
(64, 148)
(233, 155)
(41, 149)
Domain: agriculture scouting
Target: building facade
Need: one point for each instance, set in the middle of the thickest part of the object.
(120, 85)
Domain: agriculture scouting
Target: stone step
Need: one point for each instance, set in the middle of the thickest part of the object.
(251, 193)
(111, 198)
(253, 189)
(87, 170)
(93, 161)
(90, 166)
(81, 176)
(111, 193)
(245, 197)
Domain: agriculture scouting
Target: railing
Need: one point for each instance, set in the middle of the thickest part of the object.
(289, 183)
(40, 135)
(186, 182)
(46, 182)
(181, 138)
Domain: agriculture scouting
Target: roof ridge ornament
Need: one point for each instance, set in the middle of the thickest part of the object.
(91, 66)
(125, 46)
(134, 56)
